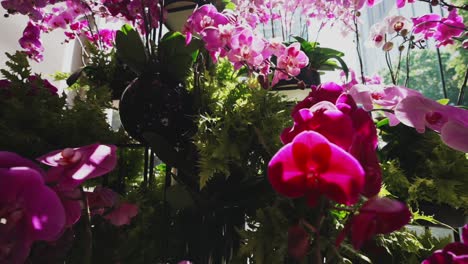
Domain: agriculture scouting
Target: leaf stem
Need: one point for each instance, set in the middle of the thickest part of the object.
(87, 236)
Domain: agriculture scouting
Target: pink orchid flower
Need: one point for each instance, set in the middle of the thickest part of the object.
(397, 24)
(71, 167)
(421, 112)
(377, 35)
(385, 97)
(218, 39)
(455, 134)
(376, 216)
(426, 24)
(246, 47)
(29, 210)
(328, 91)
(453, 253)
(451, 122)
(312, 166)
(402, 3)
(290, 63)
(203, 17)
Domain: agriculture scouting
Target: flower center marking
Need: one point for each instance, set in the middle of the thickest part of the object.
(433, 117)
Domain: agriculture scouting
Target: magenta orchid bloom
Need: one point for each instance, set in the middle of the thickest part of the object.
(71, 201)
(290, 63)
(453, 253)
(29, 210)
(101, 199)
(105, 202)
(376, 216)
(123, 214)
(448, 28)
(311, 166)
(324, 118)
(31, 42)
(71, 167)
(426, 24)
(338, 118)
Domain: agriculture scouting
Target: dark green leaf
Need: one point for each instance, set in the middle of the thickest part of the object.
(343, 65)
(74, 76)
(383, 122)
(130, 48)
(177, 57)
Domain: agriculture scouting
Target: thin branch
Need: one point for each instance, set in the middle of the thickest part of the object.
(408, 64)
(443, 3)
(87, 236)
(462, 90)
(442, 22)
(390, 67)
(441, 68)
(397, 74)
(358, 49)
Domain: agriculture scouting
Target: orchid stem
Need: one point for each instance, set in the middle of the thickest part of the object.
(358, 49)
(87, 235)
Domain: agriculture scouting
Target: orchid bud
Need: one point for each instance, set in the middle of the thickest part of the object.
(404, 32)
(434, 2)
(398, 26)
(401, 48)
(388, 46)
(301, 85)
(358, 14)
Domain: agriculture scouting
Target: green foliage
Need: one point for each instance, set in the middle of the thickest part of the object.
(37, 118)
(19, 67)
(405, 246)
(425, 74)
(238, 112)
(265, 239)
(421, 168)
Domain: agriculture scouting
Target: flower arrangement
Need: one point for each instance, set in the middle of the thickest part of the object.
(253, 180)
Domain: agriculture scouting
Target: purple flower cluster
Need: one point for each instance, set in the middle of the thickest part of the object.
(40, 205)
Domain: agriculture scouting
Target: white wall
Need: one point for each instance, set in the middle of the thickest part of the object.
(57, 56)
